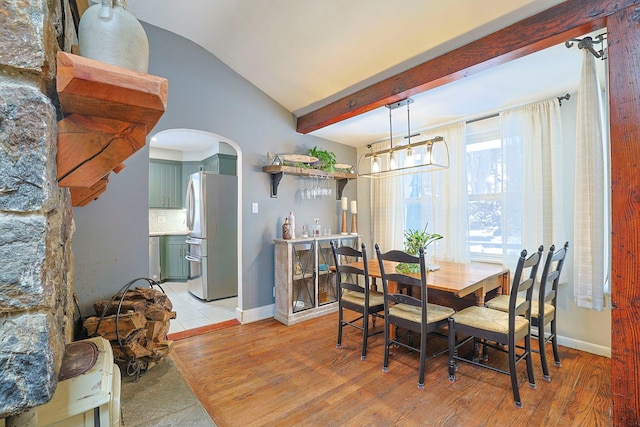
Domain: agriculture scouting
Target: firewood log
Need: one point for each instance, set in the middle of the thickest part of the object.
(127, 323)
(127, 305)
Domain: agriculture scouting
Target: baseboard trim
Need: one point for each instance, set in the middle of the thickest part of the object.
(201, 330)
(600, 350)
(255, 314)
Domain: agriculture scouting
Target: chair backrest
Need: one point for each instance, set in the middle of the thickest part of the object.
(413, 282)
(523, 284)
(551, 276)
(347, 275)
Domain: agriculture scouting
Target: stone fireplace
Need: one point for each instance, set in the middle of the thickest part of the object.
(36, 223)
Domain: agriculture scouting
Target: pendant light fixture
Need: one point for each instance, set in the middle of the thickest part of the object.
(425, 155)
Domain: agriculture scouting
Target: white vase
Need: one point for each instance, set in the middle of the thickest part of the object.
(110, 34)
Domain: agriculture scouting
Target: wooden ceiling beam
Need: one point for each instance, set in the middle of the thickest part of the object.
(568, 19)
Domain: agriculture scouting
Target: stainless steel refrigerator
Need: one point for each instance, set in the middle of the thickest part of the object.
(212, 203)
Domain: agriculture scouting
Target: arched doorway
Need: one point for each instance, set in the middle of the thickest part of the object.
(193, 150)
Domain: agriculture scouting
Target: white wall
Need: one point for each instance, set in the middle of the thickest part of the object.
(580, 328)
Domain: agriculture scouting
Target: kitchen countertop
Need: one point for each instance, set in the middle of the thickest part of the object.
(168, 233)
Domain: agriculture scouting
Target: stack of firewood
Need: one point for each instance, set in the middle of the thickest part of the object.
(141, 325)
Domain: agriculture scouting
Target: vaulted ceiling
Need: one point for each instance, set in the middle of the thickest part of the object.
(306, 54)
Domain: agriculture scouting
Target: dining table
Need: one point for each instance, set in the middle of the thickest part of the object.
(453, 284)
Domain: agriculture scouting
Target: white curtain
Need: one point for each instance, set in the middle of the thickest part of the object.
(590, 252)
(449, 190)
(387, 214)
(532, 144)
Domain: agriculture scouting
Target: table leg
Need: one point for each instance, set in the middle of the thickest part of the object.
(480, 296)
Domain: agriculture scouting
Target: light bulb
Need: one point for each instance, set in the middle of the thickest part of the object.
(392, 161)
(375, 164)
(409, 161)
(428, 159)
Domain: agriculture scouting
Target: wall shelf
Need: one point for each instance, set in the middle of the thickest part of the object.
(278, 171)
(109, 111)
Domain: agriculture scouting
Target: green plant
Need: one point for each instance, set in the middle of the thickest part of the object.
(415, 239)
(326, 159)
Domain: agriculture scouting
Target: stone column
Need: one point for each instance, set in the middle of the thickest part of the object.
(36, 224)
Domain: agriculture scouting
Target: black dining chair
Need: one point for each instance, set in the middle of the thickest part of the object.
(354, 294)
(409, 310)
(543, 311)
(497, 328)
(543, 307)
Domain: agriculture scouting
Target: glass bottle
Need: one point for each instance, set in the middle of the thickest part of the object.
(286, 229)
(292, 225)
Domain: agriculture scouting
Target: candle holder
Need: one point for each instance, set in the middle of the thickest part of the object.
(354, 223)
(343, 229)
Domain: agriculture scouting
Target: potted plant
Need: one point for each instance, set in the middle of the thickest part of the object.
(326, 159)
(415, 239)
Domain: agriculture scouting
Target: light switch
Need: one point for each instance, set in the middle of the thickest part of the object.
(254, 207)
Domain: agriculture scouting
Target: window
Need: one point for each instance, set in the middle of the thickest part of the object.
(493, 229)
(494, 225)
(417, 200)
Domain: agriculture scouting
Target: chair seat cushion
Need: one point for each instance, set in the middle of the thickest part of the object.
(502, 303)
(375, 298)
(435, 312)
(489, 319)
(548, 310)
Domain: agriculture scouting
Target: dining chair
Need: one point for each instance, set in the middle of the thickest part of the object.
(543, 311)
(497, 328)
(543, 308)
(408, 310)
(354, 294)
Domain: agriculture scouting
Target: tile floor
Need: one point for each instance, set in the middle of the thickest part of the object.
(193, 313)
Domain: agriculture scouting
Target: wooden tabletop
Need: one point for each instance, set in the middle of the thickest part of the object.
(457, 278)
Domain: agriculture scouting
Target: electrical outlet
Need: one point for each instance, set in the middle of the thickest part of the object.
(254, 207)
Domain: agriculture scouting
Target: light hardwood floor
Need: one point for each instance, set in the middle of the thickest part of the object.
(268, 374)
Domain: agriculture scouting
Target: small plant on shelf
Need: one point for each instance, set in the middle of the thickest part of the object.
(415, 239)
(326, 159)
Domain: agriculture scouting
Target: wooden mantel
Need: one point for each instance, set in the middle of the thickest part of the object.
(108, 111)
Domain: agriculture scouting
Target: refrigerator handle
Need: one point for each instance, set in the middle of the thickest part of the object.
(190, 205)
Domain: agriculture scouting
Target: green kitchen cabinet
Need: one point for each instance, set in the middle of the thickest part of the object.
(224, 164)
(165, 184)
(173, 265)
(168, 179)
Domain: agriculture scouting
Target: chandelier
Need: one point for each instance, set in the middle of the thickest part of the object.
(422, 155)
